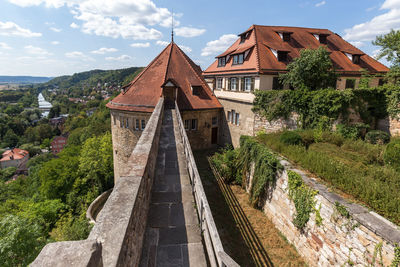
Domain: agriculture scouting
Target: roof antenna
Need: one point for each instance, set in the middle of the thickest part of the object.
(172, 27)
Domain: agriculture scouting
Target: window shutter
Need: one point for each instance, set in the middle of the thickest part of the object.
(229, 84)
(252, 84)
(242, 84)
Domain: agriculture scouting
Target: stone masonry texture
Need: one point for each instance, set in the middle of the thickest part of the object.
(338, 241)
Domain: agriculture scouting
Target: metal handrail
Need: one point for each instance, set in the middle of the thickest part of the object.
(216, 254)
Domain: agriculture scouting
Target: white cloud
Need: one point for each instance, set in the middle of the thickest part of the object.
(4, 46)
(103, 50)
(120, 58)
(189, 31)
(54, 29)
(11, 29)
(78, 55)
(358, 44)
(320, 3)
(162, 43)
(220, 45)
(48, 3)
(140, 44)
(55, 43)
(378, 25)
(185, 48)
(117, 18)
(34, 50)
(74, 25)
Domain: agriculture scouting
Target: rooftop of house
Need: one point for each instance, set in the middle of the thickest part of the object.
(14, 154)
(268, 50)
(172, 65)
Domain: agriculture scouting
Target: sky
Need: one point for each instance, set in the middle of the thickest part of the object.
(62, 37)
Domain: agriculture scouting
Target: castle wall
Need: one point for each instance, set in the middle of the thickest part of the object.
(201, 137)
(231, 132)
(125, 136)
(338, 241)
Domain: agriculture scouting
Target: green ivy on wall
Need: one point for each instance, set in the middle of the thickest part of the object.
(266, 166)
(303, 199)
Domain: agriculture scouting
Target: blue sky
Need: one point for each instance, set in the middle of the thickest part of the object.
(57, 37)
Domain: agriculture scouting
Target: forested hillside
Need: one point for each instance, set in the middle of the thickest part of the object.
(75, 84)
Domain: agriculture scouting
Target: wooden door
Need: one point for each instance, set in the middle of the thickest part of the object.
(214, 135)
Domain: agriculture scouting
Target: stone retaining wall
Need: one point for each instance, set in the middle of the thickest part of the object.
(117, 237)
(339, 241)
(262, 124)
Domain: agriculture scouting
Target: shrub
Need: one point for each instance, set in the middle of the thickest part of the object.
(290, 138)
(226, 163)
(377, 137)
(307, 137)
(391, 155)
(332, 138)
(347, 131)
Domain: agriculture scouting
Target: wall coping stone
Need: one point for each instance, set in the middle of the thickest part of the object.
(371, 220)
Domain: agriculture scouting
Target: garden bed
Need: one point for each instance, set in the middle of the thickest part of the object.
(353, 166)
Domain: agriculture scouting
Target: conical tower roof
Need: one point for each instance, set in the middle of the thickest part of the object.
(172, 64)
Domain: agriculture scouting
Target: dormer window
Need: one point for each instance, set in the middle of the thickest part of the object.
(221, 62)
(356, 59)
(238, 59)
(322, 38)
(242, 38)
(285, 36)
(282, 56)
(196, 89)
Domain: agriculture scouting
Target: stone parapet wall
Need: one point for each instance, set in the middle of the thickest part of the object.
(117, 237)
(339, 241)
(262, 124)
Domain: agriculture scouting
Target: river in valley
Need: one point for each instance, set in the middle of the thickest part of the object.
(44, 105)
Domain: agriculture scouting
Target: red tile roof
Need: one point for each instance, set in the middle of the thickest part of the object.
(143, 93)
(14, 154)
(264, 38)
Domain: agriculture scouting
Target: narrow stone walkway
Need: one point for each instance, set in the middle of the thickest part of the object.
(173, 236)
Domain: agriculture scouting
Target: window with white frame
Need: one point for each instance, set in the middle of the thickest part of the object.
(194, 124)
(137, 126)
(221, 62)
(127, 123)
(235, 59)
(240, 58)
(219, 83)
(143, 124)
(237, 119)
(187, 123)
(247, 84)
(233, 116)
(234, 84)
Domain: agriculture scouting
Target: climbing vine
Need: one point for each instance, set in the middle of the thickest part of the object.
(303, 198)
(396, 260)
(313, 106)
(266, 166)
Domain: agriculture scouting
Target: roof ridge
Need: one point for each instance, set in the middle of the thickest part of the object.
(145, 69)
(198, 76)
(257, 48)
(169, 59)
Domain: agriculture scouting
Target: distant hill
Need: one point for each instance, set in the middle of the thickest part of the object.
(24, 79)
(93, 78)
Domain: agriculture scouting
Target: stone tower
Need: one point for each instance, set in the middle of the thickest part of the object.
(174, 76)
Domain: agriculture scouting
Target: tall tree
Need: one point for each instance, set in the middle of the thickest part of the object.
(390, 46)
(312, 70)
